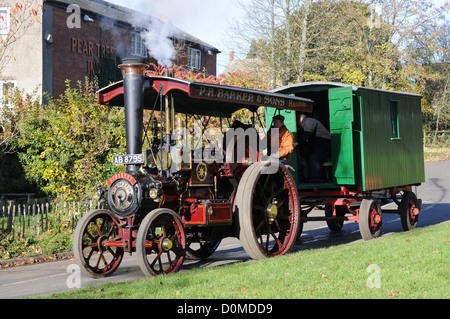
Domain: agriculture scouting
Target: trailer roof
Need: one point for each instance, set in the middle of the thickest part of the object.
(204, 98)
(320, 85)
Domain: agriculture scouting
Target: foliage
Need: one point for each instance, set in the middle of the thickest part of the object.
(12, 179)
(235, 78)
(66, 147)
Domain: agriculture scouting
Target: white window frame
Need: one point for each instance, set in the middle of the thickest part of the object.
(2, 93)
(195, 59)
(137, 45)
(5, 12)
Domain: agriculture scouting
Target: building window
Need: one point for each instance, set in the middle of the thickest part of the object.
(137, 45)
(4, 20)
(5, 91)
(394, 119)
(195, 59)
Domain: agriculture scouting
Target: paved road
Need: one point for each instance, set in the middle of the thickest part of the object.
(46, 278)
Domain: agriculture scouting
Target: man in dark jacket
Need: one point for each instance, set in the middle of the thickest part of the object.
(318, 138)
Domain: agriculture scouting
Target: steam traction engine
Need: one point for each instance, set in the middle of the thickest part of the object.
(168, 204)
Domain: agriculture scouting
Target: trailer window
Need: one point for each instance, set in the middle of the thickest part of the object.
(394, 119)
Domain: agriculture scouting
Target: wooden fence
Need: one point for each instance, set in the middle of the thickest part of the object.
(33, 219)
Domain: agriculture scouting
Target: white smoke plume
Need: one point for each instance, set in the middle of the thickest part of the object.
(156, 35)
(159, 43)
(152, 20)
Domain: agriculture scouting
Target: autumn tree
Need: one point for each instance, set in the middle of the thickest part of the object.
(428, 54)
(260, 22)
(356, 42)
(278, 33)
(15, 22)
(441, 105)
(431, 49)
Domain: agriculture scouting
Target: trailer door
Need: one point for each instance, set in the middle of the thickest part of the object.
(341, 129)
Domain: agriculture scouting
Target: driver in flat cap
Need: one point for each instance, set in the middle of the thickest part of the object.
(285, 139)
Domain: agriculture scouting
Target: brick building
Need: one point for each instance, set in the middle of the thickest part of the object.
(78, 38)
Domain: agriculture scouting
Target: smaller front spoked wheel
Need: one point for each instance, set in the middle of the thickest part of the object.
(89, 243)
(161, 243)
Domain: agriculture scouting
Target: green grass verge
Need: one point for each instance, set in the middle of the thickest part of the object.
(411, 264)
(436, 154)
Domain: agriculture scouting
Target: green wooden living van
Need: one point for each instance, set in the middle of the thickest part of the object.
(376, 135)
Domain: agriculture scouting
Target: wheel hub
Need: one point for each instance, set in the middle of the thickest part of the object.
(166, 244)
(101, 243)
(376, 219)
(272, 210)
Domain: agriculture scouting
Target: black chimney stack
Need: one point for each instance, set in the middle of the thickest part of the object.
(133, 71)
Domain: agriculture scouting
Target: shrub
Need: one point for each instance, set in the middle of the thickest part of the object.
(66, 146)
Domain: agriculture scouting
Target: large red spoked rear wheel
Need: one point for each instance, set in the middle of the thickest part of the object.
(268, 207)
(91, 253)
(161, 243)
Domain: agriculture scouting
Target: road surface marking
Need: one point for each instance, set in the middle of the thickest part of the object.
(30, 280)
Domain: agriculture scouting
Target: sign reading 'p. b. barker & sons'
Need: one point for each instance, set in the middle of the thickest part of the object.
(252, 97)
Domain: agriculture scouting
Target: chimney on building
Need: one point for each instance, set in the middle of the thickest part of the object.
(231, 56)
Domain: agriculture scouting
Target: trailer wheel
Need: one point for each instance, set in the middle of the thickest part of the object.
(160, 243)
(335, 224)
(370, 219)
(409, 211)
(268, 207)
(299, 229)
(201, 250)
(92, 231)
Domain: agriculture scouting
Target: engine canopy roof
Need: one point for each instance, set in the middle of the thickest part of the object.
(201, 98)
